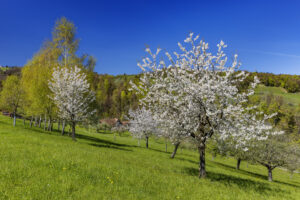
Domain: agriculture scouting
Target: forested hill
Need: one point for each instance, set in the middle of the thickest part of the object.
(289, 82)
(114, 98)
(8, 70)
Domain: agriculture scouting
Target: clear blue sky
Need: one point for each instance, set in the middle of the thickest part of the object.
(265, 34)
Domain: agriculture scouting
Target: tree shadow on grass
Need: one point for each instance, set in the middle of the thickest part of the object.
(241, 171)
(244, 184)
(38, 130)
(161, 151)
(106, 132)
(41, 130)
(96, 141)
(188, 160)
(170, 152)
(252, 174)
(101, 141)
(108, 146)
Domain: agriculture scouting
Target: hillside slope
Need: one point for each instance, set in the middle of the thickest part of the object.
(38, 165)
(290, 99)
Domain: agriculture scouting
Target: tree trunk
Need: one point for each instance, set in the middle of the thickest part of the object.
(175, 149)
(58, 125)
(166, 146)
(147, 141)
(45, 122)
(40, 121)
(202, 170)
(238, 163)
(270, 178)
(35, 121)
(15, 119)
(73, 131)
(31, 122)
(50, 124)
(63, 127)
(291, 176)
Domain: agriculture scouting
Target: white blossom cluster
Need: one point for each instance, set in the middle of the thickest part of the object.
(120, 128)
(195, 94)
(71, 93)
(171, 128)
(249, 128)
(142, 124)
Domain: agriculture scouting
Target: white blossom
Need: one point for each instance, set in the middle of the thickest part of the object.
(142, 124)
(71, 94)
(196, 93)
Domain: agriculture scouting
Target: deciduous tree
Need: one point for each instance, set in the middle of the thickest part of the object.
(142, 124)
(72, 95)
(198, 87)
(271, 153)
(11, 95)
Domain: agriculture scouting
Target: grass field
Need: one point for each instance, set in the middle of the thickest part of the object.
(290, 99)
(38, 165)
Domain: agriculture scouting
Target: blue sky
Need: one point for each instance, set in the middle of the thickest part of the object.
(265, 33)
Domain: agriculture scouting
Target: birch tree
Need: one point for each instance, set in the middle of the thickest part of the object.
(59, 50)
(64, 40)
(11, 95)
(199, 87)
(72, 95)
(35, 77)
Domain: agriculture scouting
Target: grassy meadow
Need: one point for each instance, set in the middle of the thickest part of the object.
(40, 165)
(290, 99)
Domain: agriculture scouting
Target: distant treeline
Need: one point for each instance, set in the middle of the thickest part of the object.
(114, 97)
(289, 82)
(8, 70)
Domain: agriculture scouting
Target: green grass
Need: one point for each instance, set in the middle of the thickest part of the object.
(290, 99)
(38, 165)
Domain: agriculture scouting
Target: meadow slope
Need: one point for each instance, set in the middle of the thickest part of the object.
(291, 100)
(39, 165)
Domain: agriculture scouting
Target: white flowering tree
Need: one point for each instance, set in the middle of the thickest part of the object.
(142, 124)
(119, 128)
(271, 153)
(199, 88)
(72, 95)
(245, 132)
(293, 158)
(171, 128)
